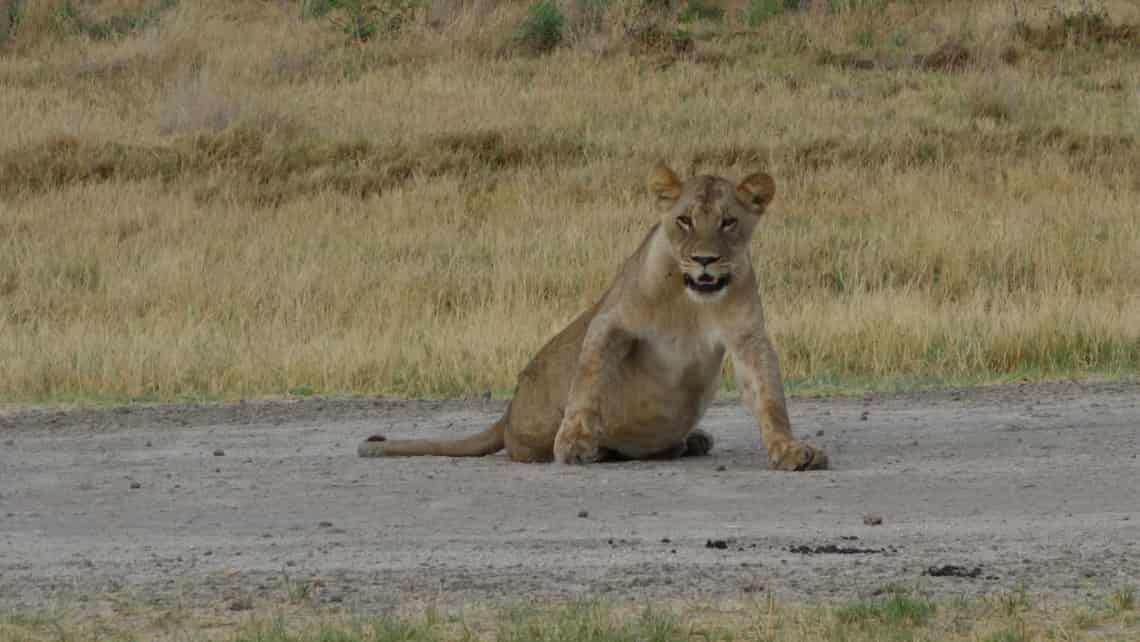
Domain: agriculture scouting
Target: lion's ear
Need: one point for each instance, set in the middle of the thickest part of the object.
(756, 191)
(664, 185)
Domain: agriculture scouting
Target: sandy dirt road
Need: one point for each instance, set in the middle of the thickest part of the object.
(1036, 486)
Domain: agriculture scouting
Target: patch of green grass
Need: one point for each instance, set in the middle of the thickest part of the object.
(761, 11)
(541, 30)
(865, 38)
(700, 10)
(71, 19)
(586, 621)
(894, 609)
(894, 618)
(360, 19)
(1123, 600)
(1013, 633)
(9, 19)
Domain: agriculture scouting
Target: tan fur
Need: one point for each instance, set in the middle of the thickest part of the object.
(631, 377)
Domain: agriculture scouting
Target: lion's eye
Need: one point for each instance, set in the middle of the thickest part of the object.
(685, 222)
(728, 224)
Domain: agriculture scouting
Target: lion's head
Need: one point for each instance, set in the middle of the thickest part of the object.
(709, 223)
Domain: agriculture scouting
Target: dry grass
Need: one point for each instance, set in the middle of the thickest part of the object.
(229, 199)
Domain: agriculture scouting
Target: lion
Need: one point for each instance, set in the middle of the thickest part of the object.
(631, 377)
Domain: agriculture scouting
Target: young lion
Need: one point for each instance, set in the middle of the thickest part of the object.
(631, 377)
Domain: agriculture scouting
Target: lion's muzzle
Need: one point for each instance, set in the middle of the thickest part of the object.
(706, 283)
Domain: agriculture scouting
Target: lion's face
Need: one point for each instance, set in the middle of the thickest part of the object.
(709, 223)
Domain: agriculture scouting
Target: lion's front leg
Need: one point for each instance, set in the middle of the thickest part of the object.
(578, 438)
(758, 372)
(581, 431)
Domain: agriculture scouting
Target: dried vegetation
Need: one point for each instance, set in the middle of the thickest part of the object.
(220, 199)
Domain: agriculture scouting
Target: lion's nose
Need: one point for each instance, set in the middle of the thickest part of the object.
(705, 260)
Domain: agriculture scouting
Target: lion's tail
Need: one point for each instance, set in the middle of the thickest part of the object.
(487, 442)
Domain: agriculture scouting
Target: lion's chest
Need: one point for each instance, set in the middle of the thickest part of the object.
(660, 393)
(679, 361)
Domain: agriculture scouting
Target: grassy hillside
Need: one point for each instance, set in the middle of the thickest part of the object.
(216, 198)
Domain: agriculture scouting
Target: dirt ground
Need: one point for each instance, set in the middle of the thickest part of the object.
(1033, 486)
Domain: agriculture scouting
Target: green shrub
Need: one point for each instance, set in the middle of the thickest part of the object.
(359, 19)
(760, 11)
(9, 18)
(70, 19)
(700, 10)
(541, 30)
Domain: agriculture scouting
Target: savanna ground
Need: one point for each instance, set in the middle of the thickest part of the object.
(221, 200)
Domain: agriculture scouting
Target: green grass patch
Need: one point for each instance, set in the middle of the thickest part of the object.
(73, 19)
(541, 29)
(896, 617)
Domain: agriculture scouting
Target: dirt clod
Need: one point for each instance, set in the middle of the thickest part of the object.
(832, 549)
(135, 485)
(872, 519)
(719, 544)
(219, 453)
(325, 524)
(951, 570)
(583, 514)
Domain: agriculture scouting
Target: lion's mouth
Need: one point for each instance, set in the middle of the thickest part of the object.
(706, 283)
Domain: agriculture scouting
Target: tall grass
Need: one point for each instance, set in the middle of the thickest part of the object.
(233, 199)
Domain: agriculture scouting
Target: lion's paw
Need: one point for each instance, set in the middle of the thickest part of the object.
(698, 443)
(577, 438)
(792, 455)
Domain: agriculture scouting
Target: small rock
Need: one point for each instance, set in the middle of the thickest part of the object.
(135, 485)
(819, 433)
(583, 514)
(863, 417)
(219, 453)
(147, 444)
(716, 543)
(721, 469)
(872, 519)
(325, 524)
